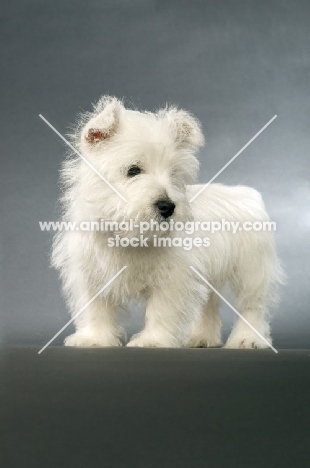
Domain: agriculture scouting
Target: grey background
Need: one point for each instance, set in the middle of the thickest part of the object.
(234, 64)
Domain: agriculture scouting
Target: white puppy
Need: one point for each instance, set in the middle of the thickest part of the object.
(149, 158)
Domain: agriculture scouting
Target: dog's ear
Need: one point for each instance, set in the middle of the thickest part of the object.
(185, 127)
(105, 122)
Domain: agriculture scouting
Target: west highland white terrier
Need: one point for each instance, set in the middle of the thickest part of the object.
(148, 159)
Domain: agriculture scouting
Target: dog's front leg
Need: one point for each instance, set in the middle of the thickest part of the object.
(96, 326)
(167, 321)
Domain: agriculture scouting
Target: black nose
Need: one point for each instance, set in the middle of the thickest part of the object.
(166, 207)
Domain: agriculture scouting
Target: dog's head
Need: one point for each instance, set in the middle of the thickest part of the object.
(149, 158)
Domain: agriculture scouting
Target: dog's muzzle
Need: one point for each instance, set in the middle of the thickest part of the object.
(165, 207)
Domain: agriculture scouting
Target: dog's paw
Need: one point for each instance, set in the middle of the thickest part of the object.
(203, 342)
(247, 341)
(146, 341)
(88, 340)
(142, 343)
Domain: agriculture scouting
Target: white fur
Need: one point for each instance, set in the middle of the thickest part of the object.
(180, 309)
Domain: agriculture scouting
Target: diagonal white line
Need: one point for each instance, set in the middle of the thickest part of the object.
(233, 158)
(235, 310)
(84, 159)
(83, 308)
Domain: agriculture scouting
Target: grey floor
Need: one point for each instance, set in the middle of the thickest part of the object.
(160, 408)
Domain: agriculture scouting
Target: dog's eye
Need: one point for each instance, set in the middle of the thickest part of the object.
(133, 171)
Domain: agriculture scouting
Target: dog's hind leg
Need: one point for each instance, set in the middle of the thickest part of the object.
(242, 336)
(252, 282)
(207, 330)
